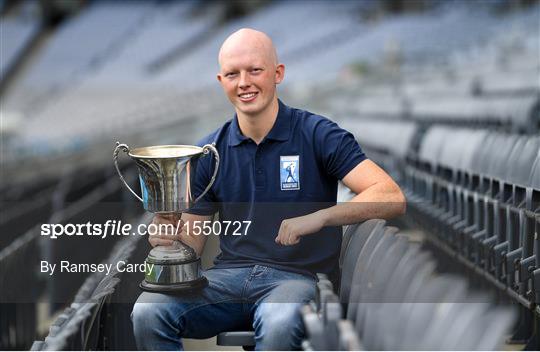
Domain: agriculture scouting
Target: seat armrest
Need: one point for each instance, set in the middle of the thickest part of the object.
(477, 239)
(536, 285)
(236, 338)
(499, 252)
(525, 266)
(489, 242)
(487, 246)
(511, 258)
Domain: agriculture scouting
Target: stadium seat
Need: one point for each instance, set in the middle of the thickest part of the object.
(369, 260)
(347, 235)
(356, 244)
(465, 328)
(486, 239)
(496, 322)
(379, 279)
(481, 191)
(466, 190)
(419, 313)
(246, 339)
(518, 179)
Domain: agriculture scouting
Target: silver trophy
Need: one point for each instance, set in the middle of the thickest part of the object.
(166, 176)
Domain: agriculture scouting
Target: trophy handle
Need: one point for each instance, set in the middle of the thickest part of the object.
(125, 149)
(206, 149)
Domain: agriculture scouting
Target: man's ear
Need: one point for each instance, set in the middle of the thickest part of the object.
(280, 73)
(219, 77)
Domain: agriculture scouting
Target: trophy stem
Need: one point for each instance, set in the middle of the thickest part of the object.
(173, 269)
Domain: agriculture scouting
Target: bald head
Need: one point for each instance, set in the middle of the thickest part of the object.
(247, 41)
(248, 73)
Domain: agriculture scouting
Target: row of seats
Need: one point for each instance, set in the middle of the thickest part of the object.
(108, 80)
(387, 143)
(40, 200)
(479, 192)
(112, 90)
(17, 32)
(88, 324)
(19, 291)
(391, 299)
(515, 111)
(91, 198)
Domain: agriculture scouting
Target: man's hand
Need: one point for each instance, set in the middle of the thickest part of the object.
(165, 230)
(292, 229)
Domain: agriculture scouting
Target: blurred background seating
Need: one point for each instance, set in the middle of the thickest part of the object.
(445, 96)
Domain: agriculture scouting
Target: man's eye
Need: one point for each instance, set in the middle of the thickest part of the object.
(256, 70)
(230, 74)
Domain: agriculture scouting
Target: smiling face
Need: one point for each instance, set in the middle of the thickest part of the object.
(249, 72)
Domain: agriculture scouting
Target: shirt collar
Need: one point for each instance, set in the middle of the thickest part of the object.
(235, 135)
(279, 132)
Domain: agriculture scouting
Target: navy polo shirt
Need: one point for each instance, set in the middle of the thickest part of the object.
(293, 171)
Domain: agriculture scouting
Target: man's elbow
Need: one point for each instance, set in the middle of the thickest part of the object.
(396, 201)
(400, 202)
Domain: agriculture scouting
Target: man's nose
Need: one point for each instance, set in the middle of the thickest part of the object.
(244, 80)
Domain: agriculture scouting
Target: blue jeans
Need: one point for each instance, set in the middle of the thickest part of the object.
(265, 299)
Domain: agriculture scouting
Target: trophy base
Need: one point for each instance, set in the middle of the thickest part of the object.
(175, 288)
(173, 269)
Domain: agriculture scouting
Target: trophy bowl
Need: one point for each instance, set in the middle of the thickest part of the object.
(166, 176)
(174, 268)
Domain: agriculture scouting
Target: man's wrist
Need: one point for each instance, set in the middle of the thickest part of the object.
(324, 215)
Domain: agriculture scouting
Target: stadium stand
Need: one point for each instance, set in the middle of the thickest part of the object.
(15, 36)
(447, 102)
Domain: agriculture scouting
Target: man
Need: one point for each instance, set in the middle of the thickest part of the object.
(262, 277)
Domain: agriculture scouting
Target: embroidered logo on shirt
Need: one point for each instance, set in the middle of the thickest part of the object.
(289, 169)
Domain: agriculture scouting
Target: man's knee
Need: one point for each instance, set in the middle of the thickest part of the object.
(278, 326)
(155, 325)
(145, 316)
(150, 313)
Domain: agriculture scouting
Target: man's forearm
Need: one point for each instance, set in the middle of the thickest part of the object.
(196, 242)
(377, 202)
